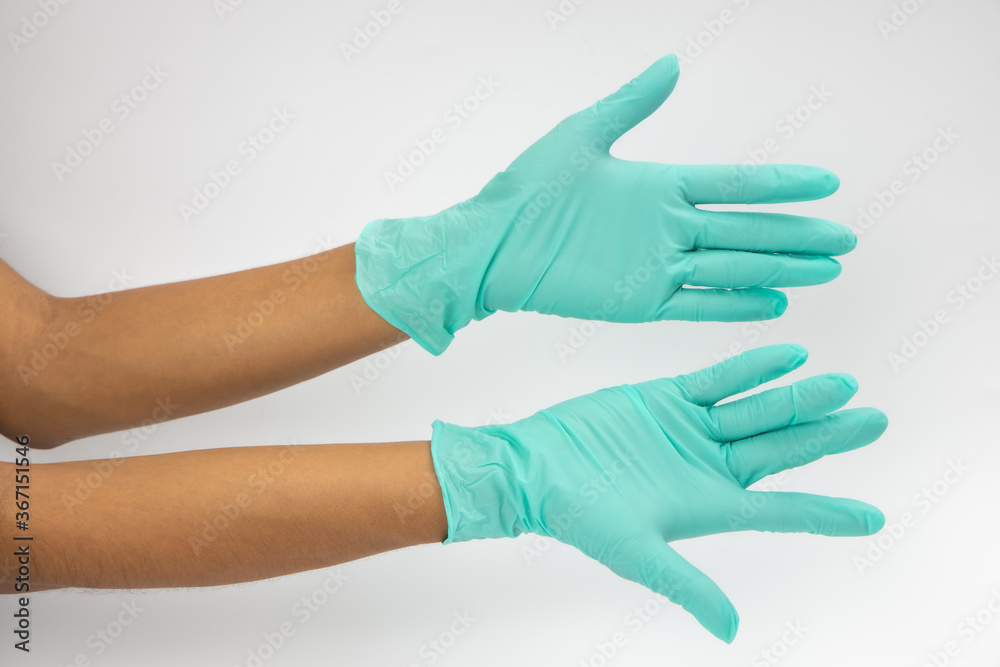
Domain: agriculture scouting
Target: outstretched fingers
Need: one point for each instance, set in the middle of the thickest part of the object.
(734, 268)
(724, 305)
(741, 373)
(788, 512)
(755, 458)
(796, 403)
(744, 184)
(752, 231)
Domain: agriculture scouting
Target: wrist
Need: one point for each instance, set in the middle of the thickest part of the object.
(423, 275)
(478, 471)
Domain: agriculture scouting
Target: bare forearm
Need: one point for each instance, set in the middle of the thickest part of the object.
(225, 516)
(167, 351)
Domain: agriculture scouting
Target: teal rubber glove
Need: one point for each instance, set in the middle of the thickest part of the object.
(620, 473)
(569, 230)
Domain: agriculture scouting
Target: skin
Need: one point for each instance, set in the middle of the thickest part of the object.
(211, 517)
(176, 344)
(72, 367)
(143, 527)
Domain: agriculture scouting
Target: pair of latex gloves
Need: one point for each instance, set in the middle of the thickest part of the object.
(569, 230)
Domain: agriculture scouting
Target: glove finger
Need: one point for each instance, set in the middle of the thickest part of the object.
(788, 512)
(752, 231)
(743, 184)
(755, 458)
(608, 119)
(741, 373)
(654, 564)
(770, 410)
(732, 268)
(724, 305)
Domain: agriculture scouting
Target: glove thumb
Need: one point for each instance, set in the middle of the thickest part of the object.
(616, 114)
(654, 564)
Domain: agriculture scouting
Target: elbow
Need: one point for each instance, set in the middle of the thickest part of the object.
(21, 437)
(21, 424)
(26, 314)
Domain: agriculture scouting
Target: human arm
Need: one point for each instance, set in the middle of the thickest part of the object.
(618, 474)
(224, 516)
(566, 229)
(74, 367)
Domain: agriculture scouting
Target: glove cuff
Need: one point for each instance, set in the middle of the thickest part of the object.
(423, 275)
(477, 470)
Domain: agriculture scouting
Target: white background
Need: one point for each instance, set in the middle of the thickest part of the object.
(322, 179)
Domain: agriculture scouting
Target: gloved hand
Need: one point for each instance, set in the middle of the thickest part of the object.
(570, 230)
(620, 473)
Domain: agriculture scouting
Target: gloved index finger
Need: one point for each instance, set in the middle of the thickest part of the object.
(750, 184)
(741, 373)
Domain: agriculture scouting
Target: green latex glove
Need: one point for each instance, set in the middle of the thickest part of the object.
(569, 230)
(620, 473)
